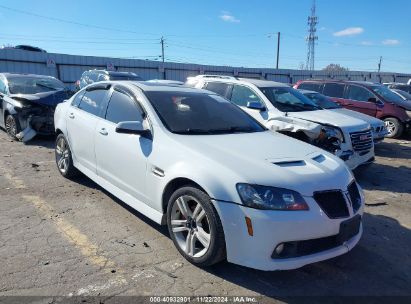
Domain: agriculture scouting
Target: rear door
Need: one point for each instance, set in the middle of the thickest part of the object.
(122, 158)
(241, 95)
(220, 88)
(361, 99)
(335, 91)
(82, 119)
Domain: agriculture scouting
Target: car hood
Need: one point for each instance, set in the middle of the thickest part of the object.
(267, 158)
(332, 118)
(367, 118)
(405, 104)
(52, 98)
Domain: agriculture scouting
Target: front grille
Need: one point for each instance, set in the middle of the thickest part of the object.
(361, 141)
(332, 203)
(355, 196)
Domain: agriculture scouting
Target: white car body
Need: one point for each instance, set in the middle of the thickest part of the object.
(138, 170)
(308, 122)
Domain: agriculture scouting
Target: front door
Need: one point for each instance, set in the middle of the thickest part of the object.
(361, 100)
(122, 158)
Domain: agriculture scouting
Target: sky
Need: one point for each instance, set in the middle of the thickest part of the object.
(352, 33)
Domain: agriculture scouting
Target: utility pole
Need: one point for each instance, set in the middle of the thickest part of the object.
(278, 48)
(379, 64)
(162, 48)
(311, 38)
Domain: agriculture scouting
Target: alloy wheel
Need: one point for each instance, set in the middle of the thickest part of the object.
(390, 127)
(11, 126)
(190, 226)
(62, 155)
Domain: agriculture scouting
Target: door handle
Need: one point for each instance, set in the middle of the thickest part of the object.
(349, 104)
(71, 115)
(103, 132)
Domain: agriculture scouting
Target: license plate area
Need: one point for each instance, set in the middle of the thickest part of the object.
(349, 229)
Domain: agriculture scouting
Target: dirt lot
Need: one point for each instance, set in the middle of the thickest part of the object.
(60, 237)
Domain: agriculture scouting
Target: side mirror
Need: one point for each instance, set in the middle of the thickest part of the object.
(132, 127)
(255, 105)
(372, 99)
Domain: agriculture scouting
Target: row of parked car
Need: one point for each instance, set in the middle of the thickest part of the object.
(252, 171)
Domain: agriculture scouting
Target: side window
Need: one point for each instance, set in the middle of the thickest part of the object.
(2, 87)
(93, 101)
(334, 90)
(123, 108)
(218, 88)
(359, 93)
(242, 95)
(310, 86)
(76, 101)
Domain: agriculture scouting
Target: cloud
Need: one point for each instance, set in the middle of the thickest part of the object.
(367, 43)
(391, 42)
(351, 31)
(228, 17)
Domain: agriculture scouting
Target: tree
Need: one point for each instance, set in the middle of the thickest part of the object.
(334, 67)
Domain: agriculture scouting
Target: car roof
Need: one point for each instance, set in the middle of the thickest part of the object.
(365, 83)
(153, 86)
(113, 73)
(256, 82)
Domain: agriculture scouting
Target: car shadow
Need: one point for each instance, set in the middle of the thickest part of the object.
(87, 182)
(45, 141)
(393, 150)
(376, 267)
(385, 178)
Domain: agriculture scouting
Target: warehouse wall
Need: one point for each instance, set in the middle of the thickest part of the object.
(69, 68)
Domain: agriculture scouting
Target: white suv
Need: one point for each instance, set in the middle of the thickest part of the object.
(284, 109)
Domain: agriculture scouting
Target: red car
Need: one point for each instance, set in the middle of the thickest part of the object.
(366, 97)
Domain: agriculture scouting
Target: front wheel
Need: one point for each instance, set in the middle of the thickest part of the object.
(12, 127)
(394, 127)
(195, 227)
(64, 159)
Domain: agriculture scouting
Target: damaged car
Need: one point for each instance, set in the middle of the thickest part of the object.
(283, 109)
(27, 104)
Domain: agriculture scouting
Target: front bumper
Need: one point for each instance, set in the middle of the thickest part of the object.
(355, 159)
(271, 228)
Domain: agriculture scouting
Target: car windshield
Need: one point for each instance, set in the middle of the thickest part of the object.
(200, 114)
(33, 85)
(386, 93)
(288, 99)
(322, 101)
(404, 94)
(126, 77)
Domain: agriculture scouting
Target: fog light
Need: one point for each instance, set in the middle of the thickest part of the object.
(279, 249)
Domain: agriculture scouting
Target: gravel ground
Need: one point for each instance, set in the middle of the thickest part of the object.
(69, 238)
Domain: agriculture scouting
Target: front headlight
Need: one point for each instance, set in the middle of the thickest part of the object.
(333, 132)
(270, 198)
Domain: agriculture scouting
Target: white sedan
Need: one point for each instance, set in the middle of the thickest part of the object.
(226, 187)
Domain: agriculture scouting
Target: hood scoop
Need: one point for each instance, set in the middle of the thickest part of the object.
(286, 164)
(319, 158)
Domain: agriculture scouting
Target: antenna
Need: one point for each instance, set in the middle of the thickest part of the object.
(311, 38)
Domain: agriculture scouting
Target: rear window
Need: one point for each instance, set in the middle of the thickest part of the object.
(218, 88)
(334, 90)
(310, 86)
(33, 85)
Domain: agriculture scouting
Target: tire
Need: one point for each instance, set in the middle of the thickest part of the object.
(394, 127)
(12, 126)
(193, 227)
(64, 159)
